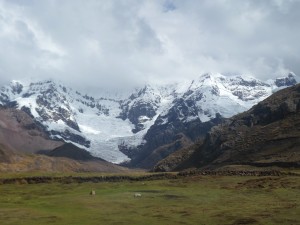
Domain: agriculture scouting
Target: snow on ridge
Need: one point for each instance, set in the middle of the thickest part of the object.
(98, 118)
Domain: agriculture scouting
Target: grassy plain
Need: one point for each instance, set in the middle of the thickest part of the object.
(191, 200)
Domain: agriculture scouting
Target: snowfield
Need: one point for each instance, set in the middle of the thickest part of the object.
(111, 119)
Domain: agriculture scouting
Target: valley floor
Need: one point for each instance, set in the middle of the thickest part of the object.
(187, 200)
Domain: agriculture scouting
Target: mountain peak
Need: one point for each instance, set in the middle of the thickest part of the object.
(103, 123)
(265, 135)
(289, 80)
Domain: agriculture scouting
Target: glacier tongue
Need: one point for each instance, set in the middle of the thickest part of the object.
(101, 124)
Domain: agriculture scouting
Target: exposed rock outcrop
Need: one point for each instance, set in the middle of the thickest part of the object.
(142, 124)
(70, 151)
(266, 135)
(19, 132)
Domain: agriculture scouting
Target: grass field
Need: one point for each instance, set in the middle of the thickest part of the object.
(192, 200)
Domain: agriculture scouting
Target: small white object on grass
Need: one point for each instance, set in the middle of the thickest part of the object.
(137, 195)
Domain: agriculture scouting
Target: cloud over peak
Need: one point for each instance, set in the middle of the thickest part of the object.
(93, 43)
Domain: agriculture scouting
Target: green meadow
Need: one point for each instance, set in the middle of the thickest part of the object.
(191, 200)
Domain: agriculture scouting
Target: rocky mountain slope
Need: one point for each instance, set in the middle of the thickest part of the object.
(266, 135)
(21, 138)
(18, 131)
(142, 126)
(15, 161)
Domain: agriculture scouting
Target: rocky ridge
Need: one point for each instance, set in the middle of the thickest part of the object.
(266, 135)
(22, 140)
(141, 126)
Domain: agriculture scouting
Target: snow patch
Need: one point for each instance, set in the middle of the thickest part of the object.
(98, 118)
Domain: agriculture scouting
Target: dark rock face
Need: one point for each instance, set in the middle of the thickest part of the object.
(65, 115)
(17, 88)
(3, 99)
(153, 156)
(171, 131)
(181, 109)
(67, 135)
(266, 135)
(171, 162)
(11, 104)
(286, 81)
(52, 105)
(164, 139)
(27, 110)
(265, 114)
(102, 109)
(176, 110)
(242, 88)
(251, 83)
(71, 151)
(140, 108)
(59, 113)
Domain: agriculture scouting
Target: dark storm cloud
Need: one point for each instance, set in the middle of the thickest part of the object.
(95, 43)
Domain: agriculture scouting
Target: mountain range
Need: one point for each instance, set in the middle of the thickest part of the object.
(267, 135)
(140, 127)
(22, 139)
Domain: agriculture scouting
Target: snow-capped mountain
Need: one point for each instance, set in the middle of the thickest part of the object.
(101, 124)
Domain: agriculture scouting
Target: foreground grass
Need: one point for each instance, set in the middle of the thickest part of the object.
(192, 200)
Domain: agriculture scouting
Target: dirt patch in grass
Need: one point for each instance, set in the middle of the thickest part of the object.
(268, 182)
(243, 221)
(170, 196)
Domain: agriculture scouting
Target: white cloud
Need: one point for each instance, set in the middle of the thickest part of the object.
(99, 43)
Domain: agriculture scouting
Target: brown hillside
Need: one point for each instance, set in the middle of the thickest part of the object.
(11, 161)
(266, 135)
(19, 132)
(21, 138)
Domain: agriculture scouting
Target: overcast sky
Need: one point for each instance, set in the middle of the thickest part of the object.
(90, 43)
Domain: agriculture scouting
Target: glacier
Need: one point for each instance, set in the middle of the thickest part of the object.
(100, 124)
